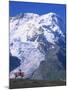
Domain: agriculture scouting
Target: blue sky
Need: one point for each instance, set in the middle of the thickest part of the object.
(16, 7)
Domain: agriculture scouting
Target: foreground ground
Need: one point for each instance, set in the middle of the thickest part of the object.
(20, 83)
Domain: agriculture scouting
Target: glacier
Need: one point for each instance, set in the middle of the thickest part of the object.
(30, 34)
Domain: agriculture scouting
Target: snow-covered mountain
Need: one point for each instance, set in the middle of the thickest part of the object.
(32, 36)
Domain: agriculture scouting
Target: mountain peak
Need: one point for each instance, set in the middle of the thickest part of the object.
(31, 35)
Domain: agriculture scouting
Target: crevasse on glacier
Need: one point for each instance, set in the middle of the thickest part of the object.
(30, 34)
